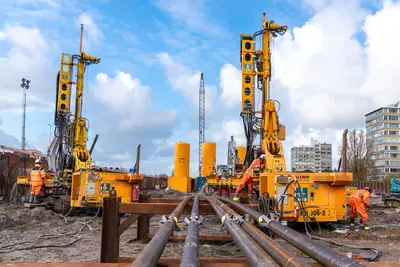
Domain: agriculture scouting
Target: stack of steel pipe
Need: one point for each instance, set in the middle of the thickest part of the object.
(324, 255)
(152, 252)
(281, 255)
(190, 256)
(253, 252)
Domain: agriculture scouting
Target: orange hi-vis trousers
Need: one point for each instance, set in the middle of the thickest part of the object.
(357, 206)
(245, 180)
(36, 187)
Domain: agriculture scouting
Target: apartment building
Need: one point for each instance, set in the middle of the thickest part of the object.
(383, 140)
(316, 157)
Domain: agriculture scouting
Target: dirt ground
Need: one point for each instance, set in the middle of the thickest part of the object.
(79, 237)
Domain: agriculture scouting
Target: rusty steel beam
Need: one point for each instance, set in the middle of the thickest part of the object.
(201, 237)
(174, 200)
(143, 225)
(153, 250)
(324, 255)
(175, 261)
(126, 223)
(165, 208)
(190, 256)
(172, 262)
(277, 252)
(109, 234)
(253, 252)
(31, 264)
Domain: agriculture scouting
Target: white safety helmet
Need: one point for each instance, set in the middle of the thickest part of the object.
(263, 156)
(37, 161)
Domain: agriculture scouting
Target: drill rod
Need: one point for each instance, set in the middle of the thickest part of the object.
(324, 255)
(277, 252)
(152, 252)
(253, 252)
(190, 256)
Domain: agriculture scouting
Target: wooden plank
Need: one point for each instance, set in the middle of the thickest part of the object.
(127, 222)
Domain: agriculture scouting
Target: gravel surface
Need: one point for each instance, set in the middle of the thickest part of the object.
(32, 227)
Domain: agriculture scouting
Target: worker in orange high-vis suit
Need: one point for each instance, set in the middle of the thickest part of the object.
(359, 202)
(37, 176)
(257, 163)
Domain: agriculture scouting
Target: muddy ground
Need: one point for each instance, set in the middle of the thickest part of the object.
(79, 236)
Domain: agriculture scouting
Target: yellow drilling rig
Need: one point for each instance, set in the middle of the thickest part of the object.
(72, 180)
(291, 196)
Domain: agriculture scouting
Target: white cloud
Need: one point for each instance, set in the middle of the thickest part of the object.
(382, 81)
(191, 13)
(231, 85)
(93, 34)
(187, 81)
(323, 66)
(130, 101)
(26, 58)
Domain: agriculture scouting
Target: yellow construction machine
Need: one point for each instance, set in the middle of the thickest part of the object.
(291, 196)
(72, 180)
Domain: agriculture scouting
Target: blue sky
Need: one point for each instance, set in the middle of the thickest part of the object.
(145, 90)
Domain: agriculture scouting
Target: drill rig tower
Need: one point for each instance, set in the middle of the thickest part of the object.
(256, 75)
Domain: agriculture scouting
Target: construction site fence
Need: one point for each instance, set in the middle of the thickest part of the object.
(379, 187)
(151, 182)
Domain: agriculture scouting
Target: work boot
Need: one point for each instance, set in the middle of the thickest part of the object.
(352, 224)
(366, 227)
(36, 199)
(30, 200)
(236, 198)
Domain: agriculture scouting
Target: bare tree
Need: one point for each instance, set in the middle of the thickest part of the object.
(357, 158)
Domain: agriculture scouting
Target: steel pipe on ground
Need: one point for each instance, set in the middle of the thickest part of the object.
(323, 255)
(190, 256)
(152, 252)
(253, 252)
(277, 252)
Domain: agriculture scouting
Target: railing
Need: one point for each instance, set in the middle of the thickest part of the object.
(378, 187)
(150, 182)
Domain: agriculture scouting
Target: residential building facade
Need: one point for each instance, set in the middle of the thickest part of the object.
(316, 157)
(383, 141)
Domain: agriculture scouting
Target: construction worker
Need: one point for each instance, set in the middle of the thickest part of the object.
(257, 163)
(37, 176)
(359, 203)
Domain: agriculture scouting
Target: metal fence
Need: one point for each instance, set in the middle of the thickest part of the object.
(150, 182)
(377, 186)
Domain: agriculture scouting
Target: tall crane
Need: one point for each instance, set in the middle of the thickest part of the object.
(202, 118)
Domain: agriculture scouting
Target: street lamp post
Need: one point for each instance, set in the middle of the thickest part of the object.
(25, 87)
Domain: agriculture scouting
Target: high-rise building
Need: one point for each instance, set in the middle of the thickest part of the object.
(383, 140)
(316, 157)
